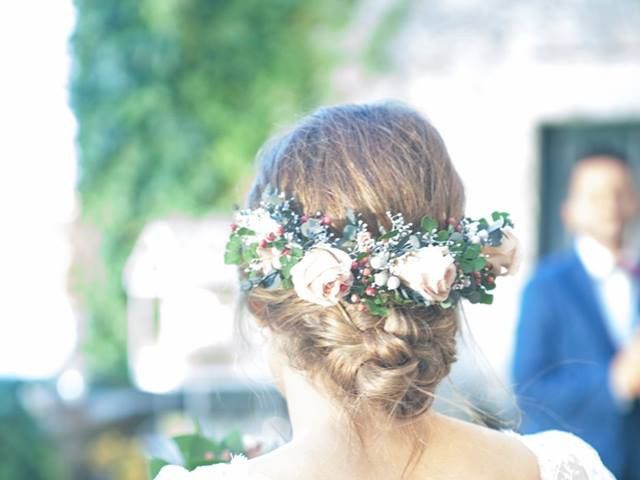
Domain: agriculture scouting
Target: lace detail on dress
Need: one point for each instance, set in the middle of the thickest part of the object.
(563, 456)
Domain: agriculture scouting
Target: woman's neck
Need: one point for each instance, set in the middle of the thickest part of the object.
(314, 414)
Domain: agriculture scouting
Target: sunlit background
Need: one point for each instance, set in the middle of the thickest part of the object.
(128, 132)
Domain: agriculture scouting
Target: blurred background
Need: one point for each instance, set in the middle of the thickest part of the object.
(129, 129)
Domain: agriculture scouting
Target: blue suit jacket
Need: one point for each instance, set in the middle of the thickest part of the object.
(561, 364)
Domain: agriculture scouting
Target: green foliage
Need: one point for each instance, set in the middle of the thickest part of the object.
(26, 451)
(378, 53)
(197, 450)
(173, 99)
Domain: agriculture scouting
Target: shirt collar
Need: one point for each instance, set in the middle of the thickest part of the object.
(596, 258)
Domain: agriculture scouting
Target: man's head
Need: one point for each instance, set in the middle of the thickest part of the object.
(602, 199)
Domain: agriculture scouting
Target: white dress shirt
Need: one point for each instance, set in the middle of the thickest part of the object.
(616, 290)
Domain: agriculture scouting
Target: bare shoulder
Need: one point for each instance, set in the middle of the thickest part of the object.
(499, 454)
(284, 463)
(456, 450)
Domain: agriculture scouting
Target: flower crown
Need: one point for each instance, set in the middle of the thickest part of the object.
(279, 247)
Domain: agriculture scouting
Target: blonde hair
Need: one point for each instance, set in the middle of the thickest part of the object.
(371, 159)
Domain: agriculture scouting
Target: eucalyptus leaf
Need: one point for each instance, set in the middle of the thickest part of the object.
(349, 232)
(351, 216)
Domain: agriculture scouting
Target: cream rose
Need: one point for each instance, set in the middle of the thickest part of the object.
(430, 271)
(505, 259)
(323, 275)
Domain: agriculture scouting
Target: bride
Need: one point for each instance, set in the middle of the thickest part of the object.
(354, 253)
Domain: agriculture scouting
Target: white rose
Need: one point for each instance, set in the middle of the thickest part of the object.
(505, 259)
(323, 275)
(430, 271)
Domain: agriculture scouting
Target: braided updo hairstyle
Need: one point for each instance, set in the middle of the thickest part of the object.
(371, 159)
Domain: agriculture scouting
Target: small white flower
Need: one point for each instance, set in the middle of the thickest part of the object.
(483, 235)
(381, 278)
(473, 227)
(260, 221)
(379, 261)
(393, 282)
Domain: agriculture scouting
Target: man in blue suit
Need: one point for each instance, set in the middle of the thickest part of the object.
(577, 355)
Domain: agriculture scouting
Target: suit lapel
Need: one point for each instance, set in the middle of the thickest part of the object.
(581, 287)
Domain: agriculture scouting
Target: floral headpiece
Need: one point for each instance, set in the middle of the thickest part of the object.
(280, 247)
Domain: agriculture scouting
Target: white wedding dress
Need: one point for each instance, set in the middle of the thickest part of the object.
(561, 456)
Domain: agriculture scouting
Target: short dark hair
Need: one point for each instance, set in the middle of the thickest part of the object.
(608, 151)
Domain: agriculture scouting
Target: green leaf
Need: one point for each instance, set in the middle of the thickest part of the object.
(428, 224)
(233, 251)
(233, 441)
(486, 298)
(249, 253)
(479, 263)
(442, 236)
(472, 251)
(388, 235)
(195, 449)
(154, 466)
(375, 309)
(287, 262)
(244, 231)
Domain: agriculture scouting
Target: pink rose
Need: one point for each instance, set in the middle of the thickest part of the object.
(505, 259)
(323, 275)
(430, 271)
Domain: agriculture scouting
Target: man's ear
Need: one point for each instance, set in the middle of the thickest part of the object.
(566, 215)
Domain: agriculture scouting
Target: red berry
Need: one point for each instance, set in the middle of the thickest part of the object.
(271, 237)
(286, 251)
(490, 279)
(263, 243)
(326, 220)
(304, 218)
(234, 227)
(371, 291)
(344, 288)
(280, 230)
(363, 261)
